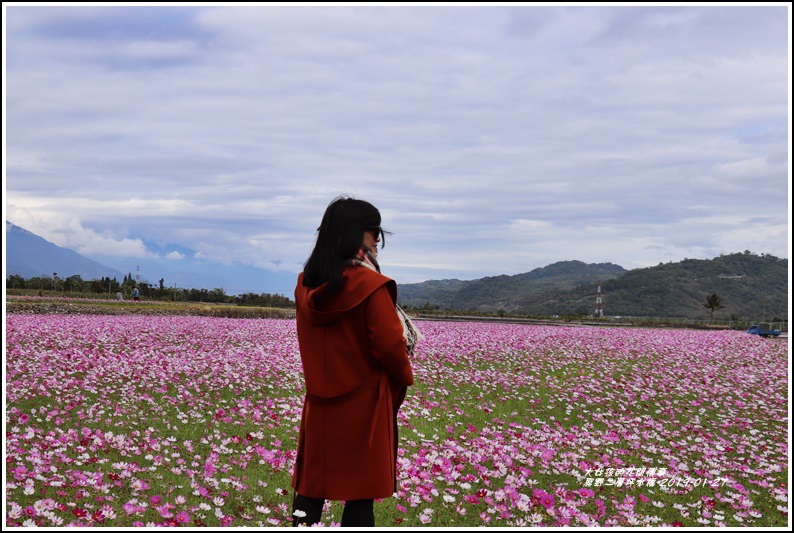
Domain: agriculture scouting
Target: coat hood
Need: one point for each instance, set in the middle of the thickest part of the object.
(322, 306)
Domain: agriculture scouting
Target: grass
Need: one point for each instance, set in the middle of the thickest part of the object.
(59, 304)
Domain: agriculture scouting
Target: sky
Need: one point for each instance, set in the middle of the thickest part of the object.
(493, 139)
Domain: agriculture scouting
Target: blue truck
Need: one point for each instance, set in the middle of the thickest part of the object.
(764, 330)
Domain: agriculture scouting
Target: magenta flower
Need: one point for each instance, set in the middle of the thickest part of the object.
(472, 468)
(547, 501)
(544, 498)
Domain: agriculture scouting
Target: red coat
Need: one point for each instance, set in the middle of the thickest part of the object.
(356, 371)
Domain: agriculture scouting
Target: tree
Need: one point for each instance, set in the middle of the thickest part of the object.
(73, 283)
(16, 281)
(713, 302)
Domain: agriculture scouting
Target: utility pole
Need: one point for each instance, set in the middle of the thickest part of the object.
(599, 310)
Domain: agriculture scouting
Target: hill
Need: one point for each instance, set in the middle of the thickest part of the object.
(508, 293)
(29, 255)
(751, 287)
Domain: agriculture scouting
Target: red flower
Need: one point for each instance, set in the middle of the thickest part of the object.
(79, 513)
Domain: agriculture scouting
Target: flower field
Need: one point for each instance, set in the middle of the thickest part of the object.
(192, 421)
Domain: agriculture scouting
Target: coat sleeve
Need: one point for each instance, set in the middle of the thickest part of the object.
(385, 331)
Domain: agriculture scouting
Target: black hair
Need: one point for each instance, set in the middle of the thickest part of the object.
(339, 238)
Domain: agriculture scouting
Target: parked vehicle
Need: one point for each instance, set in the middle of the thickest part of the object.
(764, 330)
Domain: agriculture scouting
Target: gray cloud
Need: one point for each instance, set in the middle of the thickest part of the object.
(494, 139)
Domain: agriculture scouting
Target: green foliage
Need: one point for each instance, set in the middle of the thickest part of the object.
(752, 287)
(713, 302)
(76, 287)
(507, 293)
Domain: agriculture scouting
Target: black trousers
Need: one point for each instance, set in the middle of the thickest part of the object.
(357, 513)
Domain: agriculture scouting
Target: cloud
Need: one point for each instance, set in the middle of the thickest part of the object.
(158, 50)
(68, 232)
(530, 133)
(175, 256)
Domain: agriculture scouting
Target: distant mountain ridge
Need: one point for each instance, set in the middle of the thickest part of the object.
(506, 292)
(29, 255)
(751, 287)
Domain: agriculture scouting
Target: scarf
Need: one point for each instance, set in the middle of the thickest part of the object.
(412, 336)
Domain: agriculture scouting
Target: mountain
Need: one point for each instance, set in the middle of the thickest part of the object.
(751, 287)
(29, 255)
(508, 293)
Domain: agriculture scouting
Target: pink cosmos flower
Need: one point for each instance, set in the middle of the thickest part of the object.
(23, 419)
(586, 493)
(545, 499)
(183, 517)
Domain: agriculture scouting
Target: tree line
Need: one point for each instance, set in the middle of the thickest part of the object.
(110, 287)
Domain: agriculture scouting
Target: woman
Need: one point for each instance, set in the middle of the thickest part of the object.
(354, 345)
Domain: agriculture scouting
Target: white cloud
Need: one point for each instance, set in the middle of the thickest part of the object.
(528, 226)
(66, 231)
(175, 256)
(538, 133)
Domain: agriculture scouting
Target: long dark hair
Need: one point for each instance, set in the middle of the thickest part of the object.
(340, 237)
